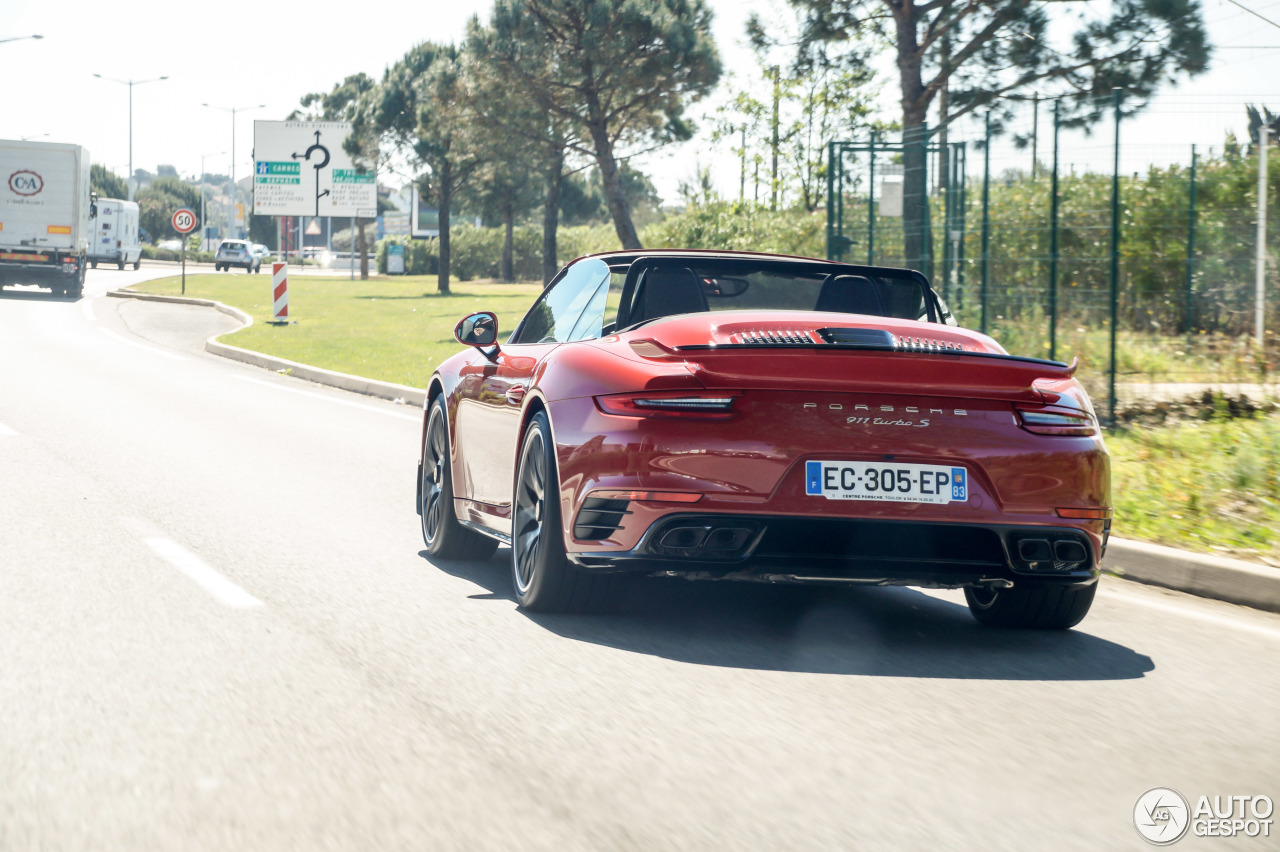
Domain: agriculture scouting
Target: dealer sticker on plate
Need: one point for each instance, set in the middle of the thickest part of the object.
(897, 482)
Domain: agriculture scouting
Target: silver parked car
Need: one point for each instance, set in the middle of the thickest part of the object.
(236, 253)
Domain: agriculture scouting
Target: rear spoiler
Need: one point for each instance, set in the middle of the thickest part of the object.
(887, 369)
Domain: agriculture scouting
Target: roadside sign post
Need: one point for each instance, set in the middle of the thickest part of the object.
(184, 222)
(279, 294)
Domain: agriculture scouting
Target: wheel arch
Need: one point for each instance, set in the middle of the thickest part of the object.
(537, 402)
(434, 389)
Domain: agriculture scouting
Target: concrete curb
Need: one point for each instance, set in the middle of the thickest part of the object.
(330, 378)
(1203, 574)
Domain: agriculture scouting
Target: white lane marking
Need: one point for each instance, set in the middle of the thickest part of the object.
(142, 346)
(6, 431)
(86, 308)
(361, 406)
(1233, 623)
(197, 569)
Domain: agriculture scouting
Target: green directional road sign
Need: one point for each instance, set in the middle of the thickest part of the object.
(351, 176)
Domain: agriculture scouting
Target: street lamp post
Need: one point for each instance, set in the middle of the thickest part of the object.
(235, 191)
(131, 84)
(204, 227)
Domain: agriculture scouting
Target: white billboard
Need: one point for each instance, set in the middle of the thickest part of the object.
(300, 169)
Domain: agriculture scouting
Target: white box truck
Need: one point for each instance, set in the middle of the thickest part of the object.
(46, 211)
(115, 237)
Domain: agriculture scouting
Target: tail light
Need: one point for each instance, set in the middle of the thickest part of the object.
(689, 405)
(1057, 421)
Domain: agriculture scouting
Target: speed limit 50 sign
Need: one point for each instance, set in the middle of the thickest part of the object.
(184, 220)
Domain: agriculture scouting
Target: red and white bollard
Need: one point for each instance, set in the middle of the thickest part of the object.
(280, 292)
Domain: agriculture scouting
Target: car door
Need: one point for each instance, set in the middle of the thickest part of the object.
(492, 391)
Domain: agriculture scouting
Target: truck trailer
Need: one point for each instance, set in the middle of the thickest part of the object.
(46, 212)
(114, 236)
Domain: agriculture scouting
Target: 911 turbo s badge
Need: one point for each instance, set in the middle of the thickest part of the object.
(858, 419)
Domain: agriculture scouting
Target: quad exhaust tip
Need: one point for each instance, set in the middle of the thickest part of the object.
(1057, 555)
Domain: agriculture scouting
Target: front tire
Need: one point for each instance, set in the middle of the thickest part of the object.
(1035, 607)
(444, 536)
(543, 578)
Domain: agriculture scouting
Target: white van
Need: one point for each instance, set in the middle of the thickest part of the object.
(46, 215)
(115, 238)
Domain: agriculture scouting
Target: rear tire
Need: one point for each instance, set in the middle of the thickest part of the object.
(1035, 607)
(120, 264)
(543, 578)
(136, 264)
(94, 264)
(444, 536)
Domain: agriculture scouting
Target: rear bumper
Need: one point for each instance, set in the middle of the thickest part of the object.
(57, 272)
(771, 548)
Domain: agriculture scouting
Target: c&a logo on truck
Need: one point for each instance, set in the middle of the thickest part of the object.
(25, 182)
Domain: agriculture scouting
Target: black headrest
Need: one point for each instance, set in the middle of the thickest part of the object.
(850, 294)
(667, 291)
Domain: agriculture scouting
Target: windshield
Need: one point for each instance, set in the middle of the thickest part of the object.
(665, 287)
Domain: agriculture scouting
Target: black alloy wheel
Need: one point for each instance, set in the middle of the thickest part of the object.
(1036, 607)
(444, 536)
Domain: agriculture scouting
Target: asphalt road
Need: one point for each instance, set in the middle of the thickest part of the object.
(218, 631)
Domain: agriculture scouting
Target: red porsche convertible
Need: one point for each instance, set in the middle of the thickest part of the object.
(728, 415)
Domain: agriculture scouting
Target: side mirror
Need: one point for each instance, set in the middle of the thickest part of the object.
(479, 329)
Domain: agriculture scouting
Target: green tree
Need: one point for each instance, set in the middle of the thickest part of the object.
(107, 183)
(620, 71)
(158, 201)
(416, 112)
(529, 143)
(971, 53)
(817, 100)
(507, 187)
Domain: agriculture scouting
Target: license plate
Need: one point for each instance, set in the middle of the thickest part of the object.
(889, 481)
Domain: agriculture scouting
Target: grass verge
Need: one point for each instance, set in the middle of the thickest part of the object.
(1210, 486)
(392, 329)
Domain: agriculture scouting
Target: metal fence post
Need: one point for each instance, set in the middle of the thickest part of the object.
(1053, 242)
(871, 206)
(1115, 257)
(986, 222)
(831, 198)
(1189, 308)
(961, 203)
(1260, 271)
(926, 222)
(839, 188)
